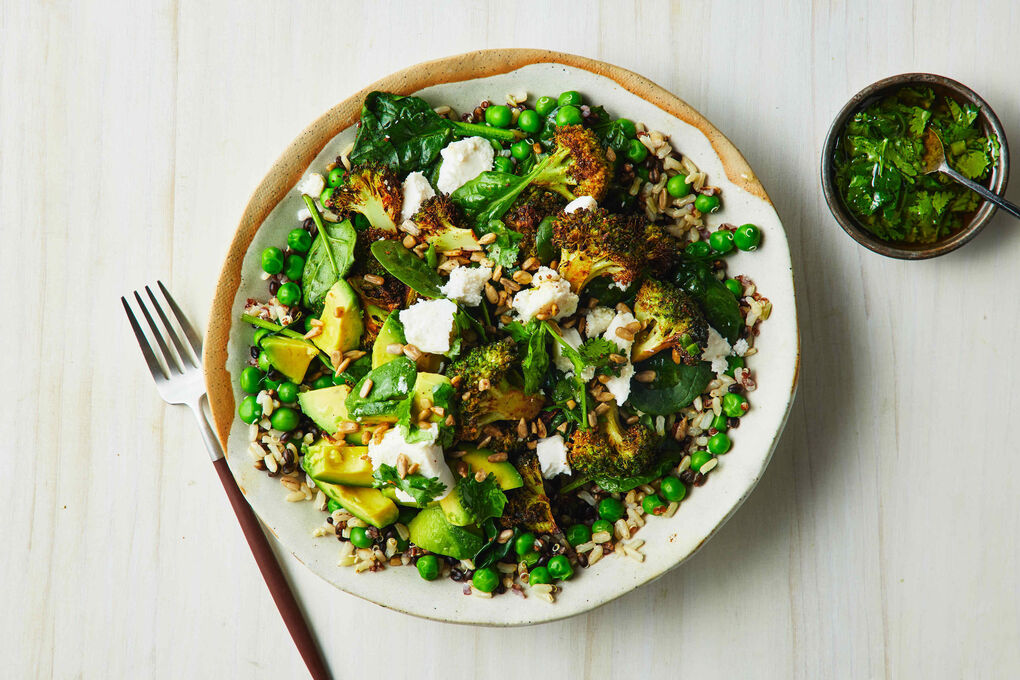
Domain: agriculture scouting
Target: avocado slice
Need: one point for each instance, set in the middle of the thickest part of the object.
(289, 356)
(368, 505)
(506, 476)
(392, 331)
(341, 320)
(326, 408)
(431, 531)
(424, 389)
(338, 464)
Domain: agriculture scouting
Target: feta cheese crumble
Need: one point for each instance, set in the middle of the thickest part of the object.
(740, 347)
(716, 351)
(552, 456)
(581, 203)
(598, 321)
(572, 338)
(619, 321)
(547, 289)
(463, 160)
(428, 325)
(416, 190)
(427, 454)
(466, 284)
(619, 386)
(312, 185)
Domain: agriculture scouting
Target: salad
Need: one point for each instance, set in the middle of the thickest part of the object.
(495, 345)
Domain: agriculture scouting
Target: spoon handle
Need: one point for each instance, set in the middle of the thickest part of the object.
(983, 191)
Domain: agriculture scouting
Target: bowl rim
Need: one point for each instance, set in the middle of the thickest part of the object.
(999, 177)
(295, 160)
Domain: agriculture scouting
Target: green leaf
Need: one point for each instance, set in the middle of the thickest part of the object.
(715, 299)
(357, 370)
(972, 164)
(482, 500)
(505, 250)
(610, 132)
(675, 385)
(595, 352)
(488, 196)
(535, 362)
(666, 462)
(940, 200)
(329, 258)
(407, 268)
(401, 132)
(493, 551)
(422, 489)
(392, 383)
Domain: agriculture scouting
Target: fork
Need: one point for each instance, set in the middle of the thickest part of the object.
(181, 381)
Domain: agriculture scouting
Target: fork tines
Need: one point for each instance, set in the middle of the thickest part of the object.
(173, 357)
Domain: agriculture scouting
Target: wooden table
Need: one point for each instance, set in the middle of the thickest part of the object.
(883, 541)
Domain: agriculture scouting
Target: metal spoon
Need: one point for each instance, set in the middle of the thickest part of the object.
(935, 161)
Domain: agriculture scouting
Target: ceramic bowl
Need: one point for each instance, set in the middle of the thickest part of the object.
(913, 251)
(462, 82)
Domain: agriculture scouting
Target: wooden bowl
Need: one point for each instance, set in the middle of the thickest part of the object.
(912, 251)
(462, 81)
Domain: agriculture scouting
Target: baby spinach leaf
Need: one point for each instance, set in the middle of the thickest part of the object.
(407, 268)
(358, 369)
(422, 489)
(610, 132)
(329, 258)
(716, 301)
(675, 385)
(392, 383)
(666, 462)
(477, 194)
(402, 132)
(493, 551)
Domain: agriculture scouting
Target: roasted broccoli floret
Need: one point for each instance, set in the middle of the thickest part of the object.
(674, 321)
(611, 449)
(372, 190)
(576, 167)
(440, 223)
(661, 248)
(527, 214)
(596, 243)
(489, 388)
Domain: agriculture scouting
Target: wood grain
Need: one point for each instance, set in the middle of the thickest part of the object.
(882, 542)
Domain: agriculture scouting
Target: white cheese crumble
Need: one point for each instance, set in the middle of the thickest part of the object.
(466, 284)
(716, 351)
(303, 214)
(581, 203)
(547, 289)
(552, 456)
(416, 190)
(312, 185)
(463, 160)
(598, 321)
(619, 321)
(427, 454)
(428, 325)
(740, 347)
(572, 338)
(619, 386)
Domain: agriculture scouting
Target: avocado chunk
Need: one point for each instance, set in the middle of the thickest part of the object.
(431, 531)
(341, 320)
(392, 332)
(368, 505)
(327, 409)
(289, 356)
(505, 473)
(338, 464)
(424, 393)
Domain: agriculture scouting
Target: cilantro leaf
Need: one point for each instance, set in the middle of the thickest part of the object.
(482, 500)
(595, 351)
(422, 489)
(505, 249)
(972, 164)
(939, 201)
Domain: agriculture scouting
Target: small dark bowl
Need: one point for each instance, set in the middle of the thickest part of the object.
(913, 251)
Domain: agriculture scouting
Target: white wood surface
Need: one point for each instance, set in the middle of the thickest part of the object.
(882, 542)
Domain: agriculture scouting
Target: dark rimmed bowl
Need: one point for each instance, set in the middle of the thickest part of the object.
(913, 251)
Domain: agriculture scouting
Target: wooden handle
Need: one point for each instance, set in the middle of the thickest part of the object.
(273, 574)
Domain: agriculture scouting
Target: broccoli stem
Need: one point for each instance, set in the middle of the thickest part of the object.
(476, 130)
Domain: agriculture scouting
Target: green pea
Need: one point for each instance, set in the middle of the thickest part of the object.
(287, 392)
(578, 534)
(719, 422)
(525, 543)
(627, 127)
(698, 249)
(259, 334)
(299, 240)
(360, 537)
(284, 419)
(498, 115)
(272, 260)
(735, 287)
(673, 490)
(707, 204)
(335, 177)
(530, 559)
(653, 504)
(503, 164)
(249, 410)
(332, 506)
(636, 151)
(721, 241)
(747, 237)
(326, 194)
(294, 267)
(289, 293)
(428, 567)
(733, 363)
(263, 362)
(569, 115)
(699, 458)
(569, 98)
(677, 186)
(734, 405)
(602, 525)
(538, 576)
(520, 150)
(485, 579)
(250, 379)
(719, 443)
(322, 382)
(529, 121)
(560, 569)
(545, 105)
(610, 509)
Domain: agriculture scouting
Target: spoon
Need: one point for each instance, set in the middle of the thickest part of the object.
(935, 161)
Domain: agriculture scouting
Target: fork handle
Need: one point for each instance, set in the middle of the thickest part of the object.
(273, 574)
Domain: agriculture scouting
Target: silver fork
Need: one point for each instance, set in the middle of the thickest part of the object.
(179, 380)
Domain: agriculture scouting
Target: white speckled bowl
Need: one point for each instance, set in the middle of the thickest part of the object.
(462, 82)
